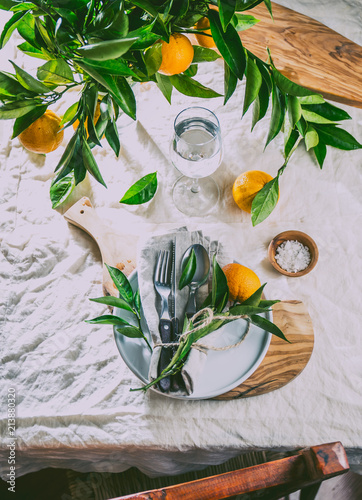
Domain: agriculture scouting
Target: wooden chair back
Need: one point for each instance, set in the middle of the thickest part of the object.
(304, 471)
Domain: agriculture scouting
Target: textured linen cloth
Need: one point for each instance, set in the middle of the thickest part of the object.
(73, 404)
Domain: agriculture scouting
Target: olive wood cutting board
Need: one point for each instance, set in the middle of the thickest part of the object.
(308, 53)
(283, 361)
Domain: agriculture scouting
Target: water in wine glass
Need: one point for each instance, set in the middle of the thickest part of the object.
(196, 147)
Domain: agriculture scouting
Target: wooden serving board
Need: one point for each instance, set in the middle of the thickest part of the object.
(283, 361)
(308, 53)
(117, 250)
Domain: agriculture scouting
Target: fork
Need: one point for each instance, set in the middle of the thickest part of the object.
(162, 283)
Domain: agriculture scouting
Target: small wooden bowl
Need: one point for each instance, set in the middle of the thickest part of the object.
(298, 236)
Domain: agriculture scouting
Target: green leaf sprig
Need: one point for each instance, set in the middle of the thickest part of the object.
(128, 301)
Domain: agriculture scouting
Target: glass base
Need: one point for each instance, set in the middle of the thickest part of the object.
(195, 197)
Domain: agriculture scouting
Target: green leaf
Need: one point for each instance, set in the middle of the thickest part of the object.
(68, 152)
(111, 301)
(261, 104)
(291, 142)
(337, 137)
(72, 160)
(145, 37)
(204, 54)
(90, 99)
(24, 6)
(122, 284)
(190, 87)
(188, 270)
(268, 303)
(61, 190)
(29, 50)
(267, 325)
(164, 84)
(289, 87)
(277, 116)
(255, 298)
(245, 309)
(147, 6)
(16, 109)
(311, 99)
(220, 289)
(153, 58)
(23, 122)
(142, 191)
(118, 87)
(107, 319)
(302, 126)
(311, 138)
(269, 7)
(312, 117)
(229, 44)
(43, 37)
(107, 49)
(191, 71)
(55, 71)
(242, 5)
(253, 84)
(70, 113)
(137, 301)
(9, 86)
(111, 67)
(7, 4)
(294, 110)
(130, 331)
(226, 11)
(320, 151)
(90, 163)
(9, 27)
(122, 93)
(29, 82)
(328, 111)
(242, 22)
(265, 201)
(26, 29)
(230, 82)
(112, 136)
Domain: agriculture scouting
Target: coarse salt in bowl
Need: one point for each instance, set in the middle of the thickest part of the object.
(293, 253)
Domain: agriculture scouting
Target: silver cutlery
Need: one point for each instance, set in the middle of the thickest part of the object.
(200, 276)
(162, 283)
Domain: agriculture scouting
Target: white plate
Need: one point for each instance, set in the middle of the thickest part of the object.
(222, 371)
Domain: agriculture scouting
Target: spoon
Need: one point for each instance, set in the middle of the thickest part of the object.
(200, 276)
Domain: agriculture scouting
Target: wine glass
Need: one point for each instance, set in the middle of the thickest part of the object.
(196, 151)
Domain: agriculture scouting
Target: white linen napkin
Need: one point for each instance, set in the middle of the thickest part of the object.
(148, 251)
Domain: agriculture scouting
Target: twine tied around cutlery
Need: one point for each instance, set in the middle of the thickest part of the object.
(210, 316)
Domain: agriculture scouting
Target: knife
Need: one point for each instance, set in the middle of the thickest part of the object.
(174, 319)
(176, 380)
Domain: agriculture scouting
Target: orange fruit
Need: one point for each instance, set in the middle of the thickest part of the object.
(44, 135)
(242, 281)
(203, 40)
(177, 55)
(247, 185)
(97, 114)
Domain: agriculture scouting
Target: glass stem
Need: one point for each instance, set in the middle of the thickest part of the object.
(195, 188)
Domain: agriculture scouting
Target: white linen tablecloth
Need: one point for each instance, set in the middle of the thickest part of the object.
(73, 404)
